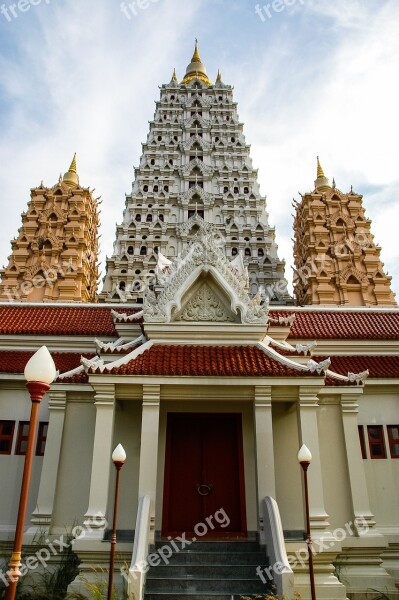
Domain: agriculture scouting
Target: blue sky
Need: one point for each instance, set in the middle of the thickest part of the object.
(317, 77)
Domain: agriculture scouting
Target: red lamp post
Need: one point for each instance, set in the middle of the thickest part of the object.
(118, 458)
(304, 459)
(40, 372)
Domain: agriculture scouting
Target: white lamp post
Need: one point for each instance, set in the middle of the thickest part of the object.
(304, 459)
(40, 372)
(118, 458)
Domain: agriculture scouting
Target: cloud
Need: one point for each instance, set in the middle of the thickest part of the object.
(314, 79)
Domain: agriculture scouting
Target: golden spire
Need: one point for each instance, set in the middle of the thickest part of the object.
(322, 182)
(174, 76)
(71, 177)
(320, 172)
(196, 57)
(219, 77)
(196, 69)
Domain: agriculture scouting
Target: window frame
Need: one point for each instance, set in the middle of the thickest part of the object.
(362, 440)
(381, 441)
(392, 441)
(7, 437)
(21, 438)
(41, 438)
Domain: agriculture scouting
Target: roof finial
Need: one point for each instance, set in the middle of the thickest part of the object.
(196, 69)
(219, 77)
(320, 172)
(174, 76)
(196, 56)
(322, 182)
(71, 177)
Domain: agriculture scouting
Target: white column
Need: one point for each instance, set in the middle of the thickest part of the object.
(308, 406)
(265, 475)
(95, 517)
(149, 449)
(363, 517)
(42, 515)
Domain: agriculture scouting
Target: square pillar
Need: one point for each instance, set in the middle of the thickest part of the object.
(363, 517)
(42, 515)
(149, 449)
(264, 449)
(95, 517)
(308, 407)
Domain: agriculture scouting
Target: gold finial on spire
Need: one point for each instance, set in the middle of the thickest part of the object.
(322, 182)
(196, 57)
(320, 172)
(174, 76)
(219, 77)
(73, 164)
(196, 69)
(71, 177)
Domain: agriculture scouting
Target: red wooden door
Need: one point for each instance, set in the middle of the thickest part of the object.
(204, 475)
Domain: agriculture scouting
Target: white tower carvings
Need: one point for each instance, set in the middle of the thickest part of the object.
(195, 173)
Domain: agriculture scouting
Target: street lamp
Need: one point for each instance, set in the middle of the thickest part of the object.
(40, 372)
(118, 458)
(304, 459)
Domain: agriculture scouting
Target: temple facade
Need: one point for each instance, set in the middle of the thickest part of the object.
(197, 362)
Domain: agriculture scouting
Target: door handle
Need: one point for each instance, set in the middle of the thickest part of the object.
(204, 489)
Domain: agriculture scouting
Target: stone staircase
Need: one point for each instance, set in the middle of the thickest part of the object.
(209, 570)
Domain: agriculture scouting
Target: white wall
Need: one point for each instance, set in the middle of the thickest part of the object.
(15, 405)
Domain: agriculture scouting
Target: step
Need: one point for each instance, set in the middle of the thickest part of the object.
(214, 546)
(220, 558)
(220, 571)
(183, 596)
(206, 585)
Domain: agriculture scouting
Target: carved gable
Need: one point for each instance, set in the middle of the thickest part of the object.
(204, 302)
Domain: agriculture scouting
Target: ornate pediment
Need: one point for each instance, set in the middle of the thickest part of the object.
(196, 220)
(204, 305)
(206, 197)
(206, 170)
(202, 258)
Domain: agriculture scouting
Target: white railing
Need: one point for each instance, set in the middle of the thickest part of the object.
(138, 568)
(283, 575)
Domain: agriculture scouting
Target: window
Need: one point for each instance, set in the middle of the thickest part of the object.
(362, 441)
(6, 436)
(234, 252)
(143, 251)
(247, 252)
(41, 439)
(393, 438)
(130, 250)
(376, 441)
(22, 439)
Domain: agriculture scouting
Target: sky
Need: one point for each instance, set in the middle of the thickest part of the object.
(311, 77)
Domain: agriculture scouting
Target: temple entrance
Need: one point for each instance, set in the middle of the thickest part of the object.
(204, 476)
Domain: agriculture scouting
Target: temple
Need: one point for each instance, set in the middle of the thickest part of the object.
(196, 359)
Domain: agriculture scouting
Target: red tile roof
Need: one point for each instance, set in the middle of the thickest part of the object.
(14, 361)
(329, 325)
(54, 320)
(378, 366)
(206, 361)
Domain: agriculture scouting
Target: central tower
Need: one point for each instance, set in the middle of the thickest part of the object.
(195, 174)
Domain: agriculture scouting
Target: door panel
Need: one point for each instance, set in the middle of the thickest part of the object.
(204, 450)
